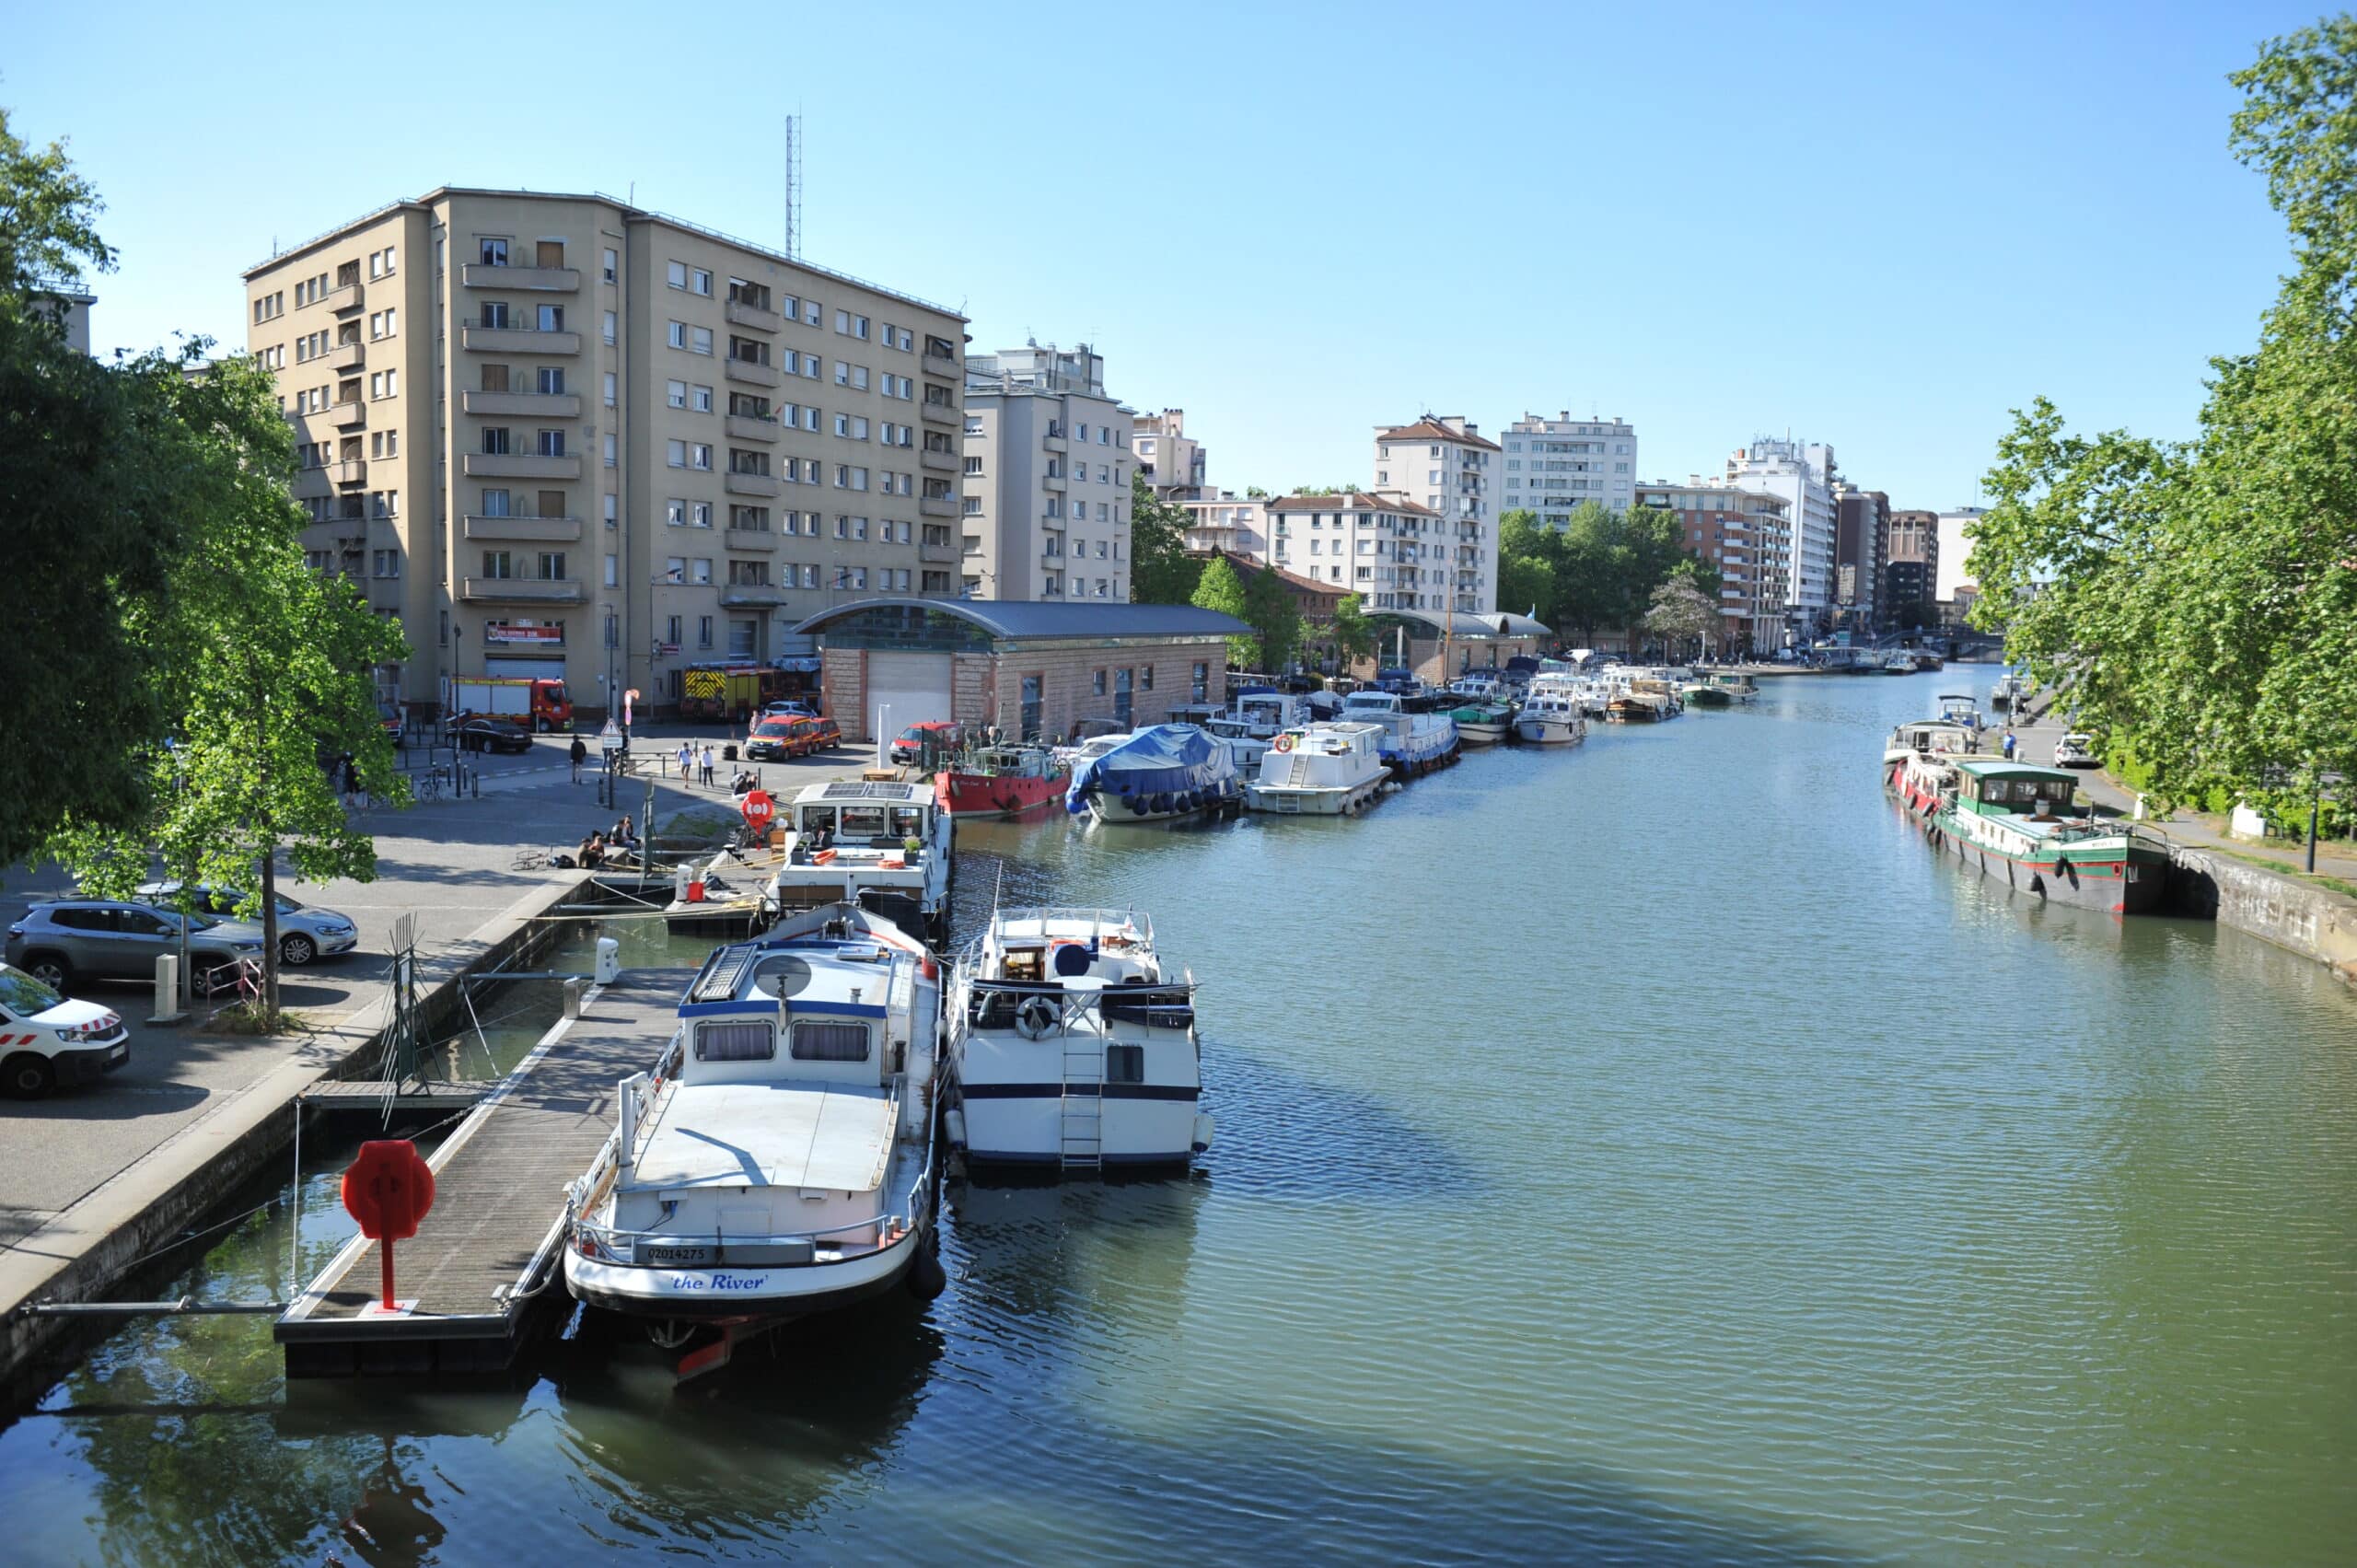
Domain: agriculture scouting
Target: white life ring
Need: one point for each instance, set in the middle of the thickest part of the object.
(1036, 1018)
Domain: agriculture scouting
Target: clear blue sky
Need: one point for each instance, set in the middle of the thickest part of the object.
(1878, 225)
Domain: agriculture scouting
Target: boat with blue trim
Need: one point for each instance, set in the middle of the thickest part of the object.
(1157, 773)
(1413, 742)
(777, 1161)
(1071, 1048)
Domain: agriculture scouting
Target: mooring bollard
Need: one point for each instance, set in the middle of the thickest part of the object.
(573, 997)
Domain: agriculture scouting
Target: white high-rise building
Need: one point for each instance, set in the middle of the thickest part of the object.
(1445, 463)
(1803, 473)
(1047, 462)
(1956, 551)
(1552, 465)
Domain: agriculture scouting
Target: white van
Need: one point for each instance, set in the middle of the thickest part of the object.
(46, 1041)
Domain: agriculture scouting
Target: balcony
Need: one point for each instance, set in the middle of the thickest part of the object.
(750, 484)
(518, 339)
(937, 554)
(734, 594)
(756, 541)
(951, 414)
(522, 590)
(348, 415)
(531, 530)
(540, 280)
(519, 465)
(345, 301)
(940, 462)
(529, 405)
(745, 427)
(938, 505)
(348, 356)
(743, 315)
(1056, 482)
(1055, 444)
(942, 365)
(349, 472)
(751, 371)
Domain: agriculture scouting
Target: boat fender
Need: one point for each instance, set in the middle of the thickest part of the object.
(1036, 1017)
(928, 1278)
(1160, 804)
(953, 1123)
(2038, 884)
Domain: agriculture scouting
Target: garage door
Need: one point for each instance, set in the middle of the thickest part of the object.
(915, 686)
(524, 668)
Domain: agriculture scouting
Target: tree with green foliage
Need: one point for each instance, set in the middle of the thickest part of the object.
(268, 664)
(1704, 574)
(1527, 559)
(1270, 606)
(1351, 634)
(1161, 572)
(1222, 591)
(89, 472)
(2196, 603)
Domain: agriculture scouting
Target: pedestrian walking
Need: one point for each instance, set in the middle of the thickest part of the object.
(687, 763)
(2009, 746)
(704, 766)
(580, 754)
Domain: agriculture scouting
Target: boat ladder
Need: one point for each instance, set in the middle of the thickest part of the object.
(1082, 1111)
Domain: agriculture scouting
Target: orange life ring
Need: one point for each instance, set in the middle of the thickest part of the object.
(1284, 743)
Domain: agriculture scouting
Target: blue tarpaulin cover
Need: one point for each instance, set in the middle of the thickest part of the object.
(1164, 759)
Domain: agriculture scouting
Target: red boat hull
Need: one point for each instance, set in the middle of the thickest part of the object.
(982, 794)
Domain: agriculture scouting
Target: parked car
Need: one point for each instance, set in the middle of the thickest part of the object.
(2076, 750)
(772, 739)
(46, 1041)
(802, 705)
(911, 742)
(304, 930)
(491, 735)
(61, 941)
(815, 733)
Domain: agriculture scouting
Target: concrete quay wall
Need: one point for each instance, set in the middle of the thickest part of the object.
(2312, 921)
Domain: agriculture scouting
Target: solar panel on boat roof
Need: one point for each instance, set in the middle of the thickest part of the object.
(852, 790)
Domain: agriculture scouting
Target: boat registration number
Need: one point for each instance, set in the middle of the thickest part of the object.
(649, 1253)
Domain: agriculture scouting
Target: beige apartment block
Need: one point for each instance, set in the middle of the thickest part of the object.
(560, 434)
(1383, 546)
(1173, 461)
(1231, 524)
(1445, 462)
(1047, 478)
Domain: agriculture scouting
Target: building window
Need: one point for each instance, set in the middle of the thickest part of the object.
(1199, 685)
(612, 266)
(494, 252)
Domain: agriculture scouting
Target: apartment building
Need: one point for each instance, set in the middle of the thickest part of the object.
(1803, 474)
(1445, 462)
(1952, 568)
(1047, 462)
(1910, 567)
(1745, 534)
(1231, 524)
(1392, 552)
(1172, 460)
(562, 436)
(1552, 465)
(1861, 548)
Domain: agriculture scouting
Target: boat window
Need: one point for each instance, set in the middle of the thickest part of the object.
(862, 821)
(908, 821)
(1125, 1064)
(818, 818)
(830, 1042)
(735, 1043)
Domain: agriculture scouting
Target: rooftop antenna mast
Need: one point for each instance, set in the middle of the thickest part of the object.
(793, 187)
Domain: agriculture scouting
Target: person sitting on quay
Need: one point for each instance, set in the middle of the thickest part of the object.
(592, 853)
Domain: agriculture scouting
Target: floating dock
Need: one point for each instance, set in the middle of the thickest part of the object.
(488, 1254)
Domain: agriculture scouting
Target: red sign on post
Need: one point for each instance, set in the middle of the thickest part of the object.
(759, 809)
(389, 1189)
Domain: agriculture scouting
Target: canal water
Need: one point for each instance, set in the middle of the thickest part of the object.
(1645, 1151)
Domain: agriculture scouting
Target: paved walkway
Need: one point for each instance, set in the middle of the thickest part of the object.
(84, 1160)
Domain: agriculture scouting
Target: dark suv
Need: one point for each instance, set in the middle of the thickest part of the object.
(66, 940)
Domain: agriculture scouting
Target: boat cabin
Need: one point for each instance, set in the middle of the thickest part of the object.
(846, 838)
(1930, 737)
(1996, 788)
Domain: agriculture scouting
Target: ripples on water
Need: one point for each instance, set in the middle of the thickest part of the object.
(1646, 1152)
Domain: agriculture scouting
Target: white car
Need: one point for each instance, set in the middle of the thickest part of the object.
(2077, 750)
(46, 1041)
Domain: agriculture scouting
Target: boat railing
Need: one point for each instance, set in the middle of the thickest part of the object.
(1102, 923)
(994, 1004)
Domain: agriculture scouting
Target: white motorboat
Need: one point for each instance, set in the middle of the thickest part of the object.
(1321, 770)
(1413, 742)
(885, 844)
(1934, 739)
(778, 1159)
(2008, 691)
(1070, 1048)
(1554, 714)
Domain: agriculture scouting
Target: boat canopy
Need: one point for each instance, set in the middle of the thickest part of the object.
(2015, 772)
(1164, 759)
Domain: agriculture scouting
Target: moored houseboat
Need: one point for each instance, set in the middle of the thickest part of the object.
(1413, 742)
(1321, 770)
(1155, 775)
(2014, 821)
(884, 844)
(1000, 781)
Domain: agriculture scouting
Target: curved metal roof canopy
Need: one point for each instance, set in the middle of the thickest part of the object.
(1034, 620)
(1468, 627)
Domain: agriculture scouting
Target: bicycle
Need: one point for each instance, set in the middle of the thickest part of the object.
(429, 786)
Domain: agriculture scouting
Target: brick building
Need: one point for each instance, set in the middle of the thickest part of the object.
(1030, 668)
